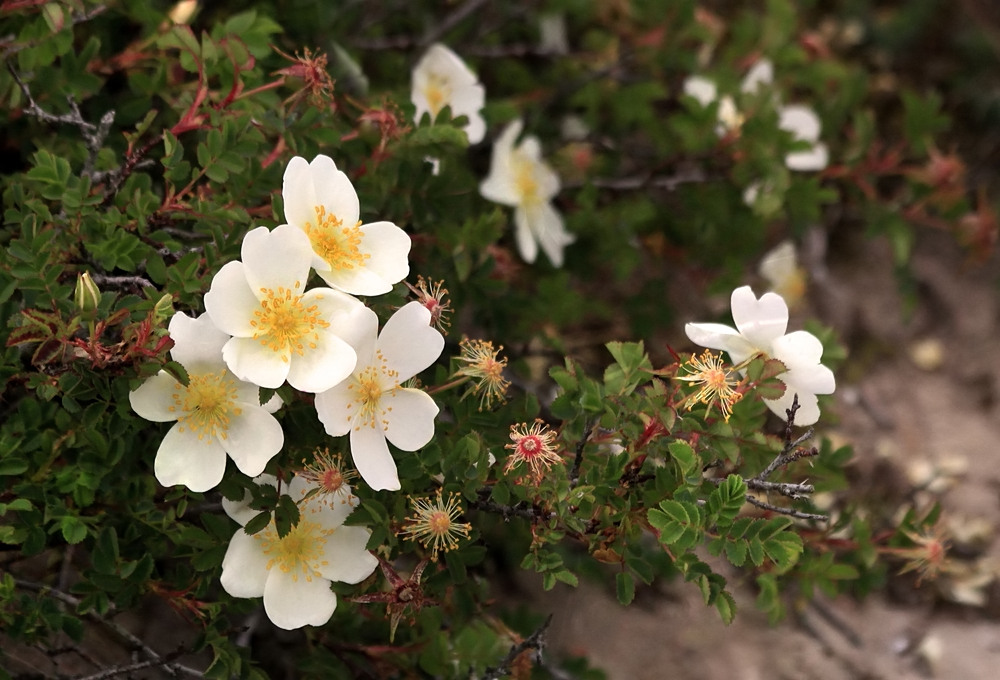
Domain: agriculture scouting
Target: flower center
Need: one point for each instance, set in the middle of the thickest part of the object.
(439, 523)
(525, 180)
(301, 551)
(338, 245)
(530, 445)
(285, 324)
(368, 387)
(207, 404)
(437, 91)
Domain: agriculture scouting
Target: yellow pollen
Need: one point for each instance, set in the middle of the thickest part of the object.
(285, 324)
(438, 93)
(299, 553)
(338, 245)
(433, 523)
(369, 386)
(525, 180)
(206, 404)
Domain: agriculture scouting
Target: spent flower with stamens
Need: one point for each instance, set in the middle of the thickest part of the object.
(293, 572)
(216, 413)
(372, 404)
(718, 384)
(360, 259)
(280, 330)
(533, 445)
(431, 295)
(317, 85)
(434, 525)
(485, 367)
(329, 477)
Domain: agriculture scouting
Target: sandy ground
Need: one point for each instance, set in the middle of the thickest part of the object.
(917, 400)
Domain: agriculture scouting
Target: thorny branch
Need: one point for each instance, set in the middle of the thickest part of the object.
(93, 135)
(574, 475)
(125, 635)
(520, 509)
(791, 452)
(535, 641)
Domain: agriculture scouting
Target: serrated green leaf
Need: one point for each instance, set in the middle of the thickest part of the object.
(257, 523)
(625, 587)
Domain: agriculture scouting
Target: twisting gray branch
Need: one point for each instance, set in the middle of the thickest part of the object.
(93, 135)
(535, 641)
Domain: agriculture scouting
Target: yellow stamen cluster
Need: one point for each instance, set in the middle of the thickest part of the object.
(718, 383)
(438, 93)
(337, 244)
(368, 388)
(327, 472)
(300, 552)
(483, 365)
(525, 179)
(285, 324)
(534, 445)
(434, 525)
(206, 404)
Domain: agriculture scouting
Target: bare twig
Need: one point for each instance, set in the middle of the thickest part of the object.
(535, 641)
(93, 135)
(520, 509)
(125, 635)
(450, 21)
(11, 47)
(574, 475)
(121, 281)
(668, 182)
(798, 514)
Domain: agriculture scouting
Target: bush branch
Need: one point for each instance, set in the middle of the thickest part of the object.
(535, 641)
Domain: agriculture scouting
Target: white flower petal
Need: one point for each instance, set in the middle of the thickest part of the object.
(197, 342)
(702, 89)
(760, 321)
(718, 336)
(388, 248)
(547, 225)
(347, 558)
(334, 191)
(816, 379)
(798, 349)
(244, 568)
(277, 259)
(801, 121)
(321, 367)
(500, 185)
(372, 458)
(408, 342)
(291, 601)
(814, 160)
(762, 73)
(336, 409)
(253, 438)
(298, 193)
(410, 417)
(153, 399)
(808, 412)
(523, 235)
(230, 302)
(254, 362)
(184, 458)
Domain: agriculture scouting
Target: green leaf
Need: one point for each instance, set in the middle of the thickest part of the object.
(257, 523)
(725, 502)
(625, 587)
(679, 524)
(73, 529)
(286, 515)
(726, 606)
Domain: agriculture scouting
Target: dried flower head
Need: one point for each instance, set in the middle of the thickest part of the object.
(311, 70)
(534, 445)
(434, 525)
(928, 557)
(484, 366)
(718, 383)
(431, 295)
(327, 473)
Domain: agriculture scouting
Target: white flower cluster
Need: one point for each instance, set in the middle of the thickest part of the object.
(263, 327)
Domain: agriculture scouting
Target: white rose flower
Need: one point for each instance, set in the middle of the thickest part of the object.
(442, 79)
(373, 405)
(520, 178)
(760, 329)
(216, 413)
